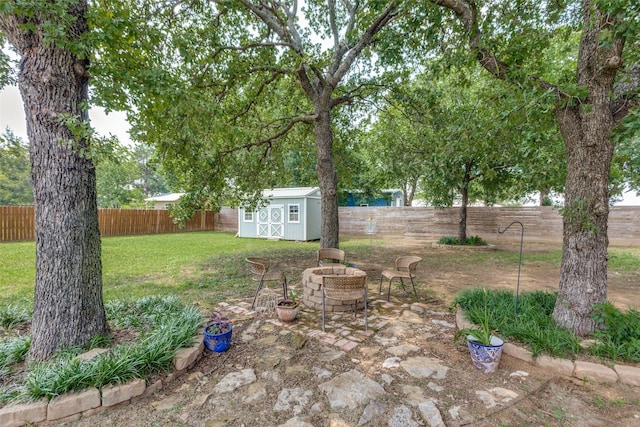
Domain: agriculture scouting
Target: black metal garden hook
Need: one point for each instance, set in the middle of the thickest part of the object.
(520, 262)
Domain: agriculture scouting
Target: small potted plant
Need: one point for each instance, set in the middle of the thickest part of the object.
(485, 348)
(287, 309)
(217, 333)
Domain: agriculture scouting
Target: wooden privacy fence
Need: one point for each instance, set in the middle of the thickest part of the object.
(541, 223)
(18, 222)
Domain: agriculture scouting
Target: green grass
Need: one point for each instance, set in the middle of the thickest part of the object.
(166, 264)
(533, 325)
(624, 259)
(183, 264)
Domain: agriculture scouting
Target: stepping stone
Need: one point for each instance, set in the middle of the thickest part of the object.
(431, 414)
(443, 323)
(391, 363)
(386, 341)
(402, 350)
(495, 396)
(409, 316)
(321, 374)
(234, 380)
(414, 394)
(329, 355)
(293, 399)
(402, 417)
(351, 390)
(255, 393)
(373, 410)
(435, 387)
(296, 422)
(424, 367)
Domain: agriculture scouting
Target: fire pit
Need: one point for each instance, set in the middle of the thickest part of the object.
(312, 284)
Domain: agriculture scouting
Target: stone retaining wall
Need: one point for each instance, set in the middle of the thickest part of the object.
(73, 406)
(585, 371)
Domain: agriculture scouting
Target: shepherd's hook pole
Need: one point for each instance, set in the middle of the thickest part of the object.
(520, 262)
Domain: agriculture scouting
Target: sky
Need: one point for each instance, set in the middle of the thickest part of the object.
(115, 123)
(12, 115)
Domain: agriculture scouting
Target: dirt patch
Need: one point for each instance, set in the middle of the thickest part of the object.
(284, 359)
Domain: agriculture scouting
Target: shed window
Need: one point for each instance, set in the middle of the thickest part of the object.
(294, 213)
(248, 216)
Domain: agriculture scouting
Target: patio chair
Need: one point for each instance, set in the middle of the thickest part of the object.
(330, 256)
(405, 269)
(260, 273)
(345, 288)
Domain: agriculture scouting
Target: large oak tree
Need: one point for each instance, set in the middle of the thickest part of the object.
(53, 82)
(507, 39)
(222, 88)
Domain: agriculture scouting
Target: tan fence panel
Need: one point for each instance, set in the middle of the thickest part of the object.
(541, 223)
(18, 222)
(227, 219)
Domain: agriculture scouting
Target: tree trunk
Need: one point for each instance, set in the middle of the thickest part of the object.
(586, 128)
(68, 306)
(583, 272)
(328, 180)
(464, 202)
(544, 196)
(462, 222)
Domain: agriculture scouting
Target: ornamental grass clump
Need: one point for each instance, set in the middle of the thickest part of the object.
(12, 315)
(533, 325)
(162, 326)
(619, 337)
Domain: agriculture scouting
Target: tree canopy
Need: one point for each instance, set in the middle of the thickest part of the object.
(15, 171)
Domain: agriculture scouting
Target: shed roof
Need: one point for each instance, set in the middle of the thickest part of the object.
(169, 197)
(279, 193)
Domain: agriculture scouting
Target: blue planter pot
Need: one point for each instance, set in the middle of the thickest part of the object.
(486, 358)
(217, 342)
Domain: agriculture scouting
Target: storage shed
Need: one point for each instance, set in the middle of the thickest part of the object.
(292, 214)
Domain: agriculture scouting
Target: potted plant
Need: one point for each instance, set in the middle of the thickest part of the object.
(287, 309)
(485, 348)
(217, 333)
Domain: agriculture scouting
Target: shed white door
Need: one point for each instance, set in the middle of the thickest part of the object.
(271, 222)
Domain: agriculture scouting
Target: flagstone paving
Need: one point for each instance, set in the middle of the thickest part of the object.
(404, 371)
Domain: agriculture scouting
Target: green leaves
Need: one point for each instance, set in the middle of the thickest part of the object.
(15, 171)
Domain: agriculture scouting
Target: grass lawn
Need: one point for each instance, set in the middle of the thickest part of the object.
(207, 267)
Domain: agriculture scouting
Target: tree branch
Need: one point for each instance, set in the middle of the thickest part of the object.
(269, 140)
(467, 13)
(367, 38)
(627, 92)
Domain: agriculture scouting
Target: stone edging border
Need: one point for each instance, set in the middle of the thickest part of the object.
(74, 406)
(584, 371)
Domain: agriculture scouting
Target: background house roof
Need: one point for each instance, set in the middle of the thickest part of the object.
(169, 197)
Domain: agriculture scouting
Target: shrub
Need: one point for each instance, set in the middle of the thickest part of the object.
(475, 241)
(448, 240)
(471, 241)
